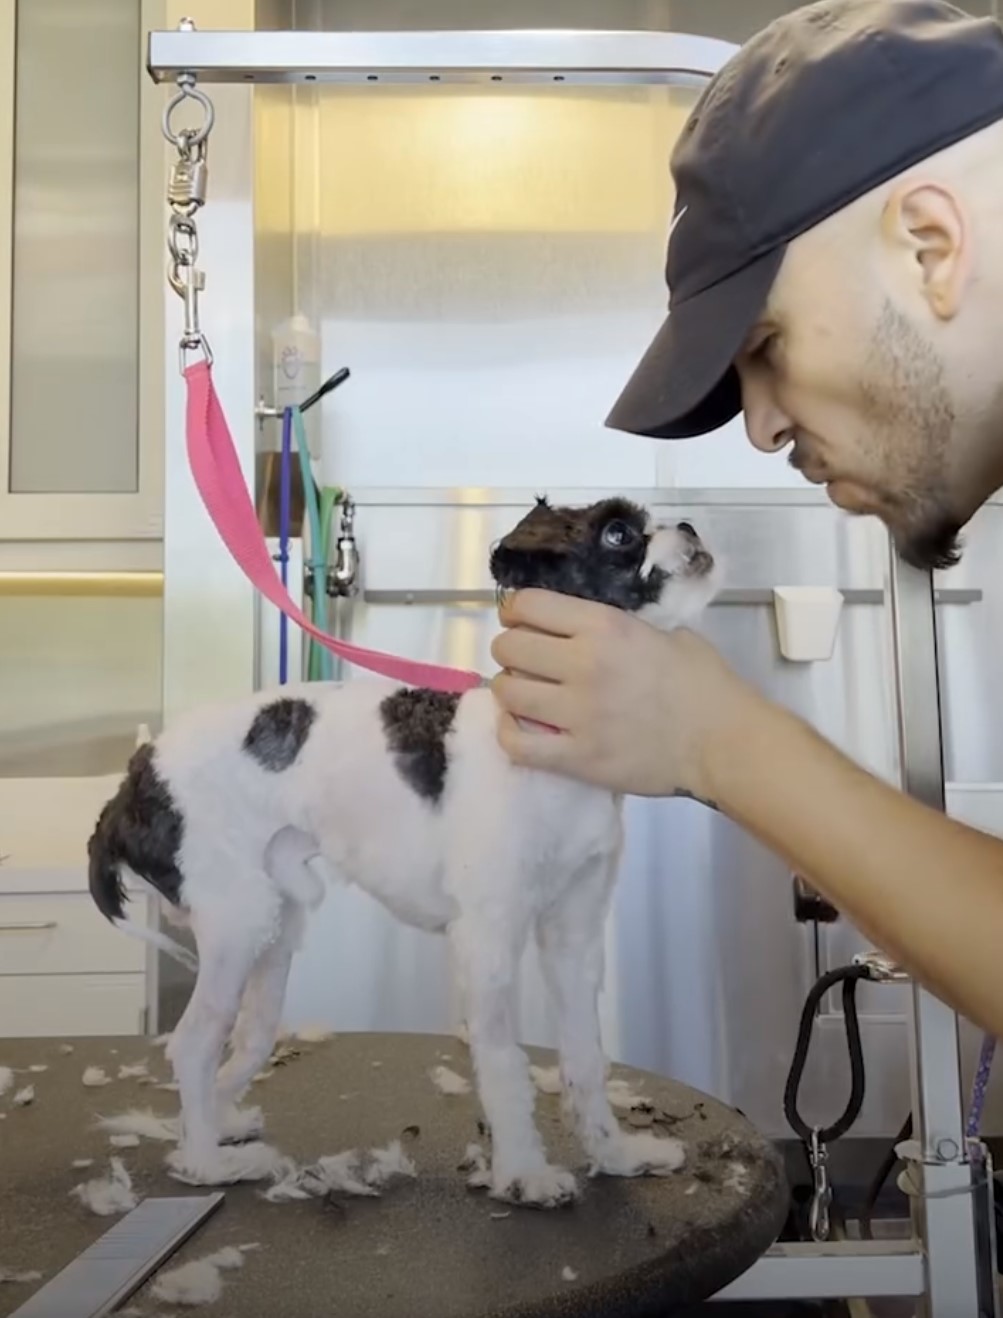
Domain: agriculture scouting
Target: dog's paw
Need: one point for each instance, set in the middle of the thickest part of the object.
(476, 1163)
(479, 1178)
(225, 1165)
(639, 1153)
(549, 1187)
(237, 1125)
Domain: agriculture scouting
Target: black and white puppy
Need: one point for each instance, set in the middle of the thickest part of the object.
(238, 813)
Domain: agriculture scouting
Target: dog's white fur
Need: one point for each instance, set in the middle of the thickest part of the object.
(504, 853)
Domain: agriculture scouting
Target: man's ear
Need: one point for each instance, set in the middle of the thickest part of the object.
(926, 223)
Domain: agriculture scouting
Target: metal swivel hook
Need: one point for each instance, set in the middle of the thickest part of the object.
(819, 1222)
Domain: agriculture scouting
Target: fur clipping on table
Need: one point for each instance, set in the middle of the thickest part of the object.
(449, 1082)
(108, 1195)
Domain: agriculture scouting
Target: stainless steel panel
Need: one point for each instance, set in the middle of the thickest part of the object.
(970, 649)
(971, 653)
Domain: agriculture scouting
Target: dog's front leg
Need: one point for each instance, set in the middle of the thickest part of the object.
(570, 938)
(488, 959)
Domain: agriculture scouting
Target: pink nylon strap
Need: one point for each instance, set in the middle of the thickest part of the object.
(216, 471)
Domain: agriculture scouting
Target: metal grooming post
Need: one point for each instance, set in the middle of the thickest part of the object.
(940, 1262)
(947, 1218)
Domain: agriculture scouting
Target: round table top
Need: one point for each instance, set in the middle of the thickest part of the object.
(426, 1248)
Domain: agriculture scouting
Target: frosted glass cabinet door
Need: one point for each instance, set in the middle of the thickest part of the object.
(80, 284)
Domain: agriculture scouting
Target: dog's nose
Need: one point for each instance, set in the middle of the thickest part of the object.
(687, 529)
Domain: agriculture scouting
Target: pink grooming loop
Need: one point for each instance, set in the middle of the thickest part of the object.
(216, 471)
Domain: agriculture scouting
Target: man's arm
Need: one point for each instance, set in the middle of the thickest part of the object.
(642, 712)
(926, 889)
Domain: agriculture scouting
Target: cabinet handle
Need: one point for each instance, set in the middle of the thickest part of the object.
(21, 926)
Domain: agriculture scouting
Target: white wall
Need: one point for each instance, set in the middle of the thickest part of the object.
(725, 460)
(489, 265)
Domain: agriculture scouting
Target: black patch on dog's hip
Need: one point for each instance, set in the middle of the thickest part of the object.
(279, 733)
(417, 723)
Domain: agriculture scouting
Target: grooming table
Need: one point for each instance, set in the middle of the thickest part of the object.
(427, 1248)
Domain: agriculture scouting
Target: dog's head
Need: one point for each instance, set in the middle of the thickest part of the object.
(611, 552)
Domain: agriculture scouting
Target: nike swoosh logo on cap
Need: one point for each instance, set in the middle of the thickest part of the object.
(676, 219)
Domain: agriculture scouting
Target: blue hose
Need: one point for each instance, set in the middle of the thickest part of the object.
(284, 517)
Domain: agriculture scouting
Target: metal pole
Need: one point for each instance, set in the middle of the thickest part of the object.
(946, 1215)
(582, 57)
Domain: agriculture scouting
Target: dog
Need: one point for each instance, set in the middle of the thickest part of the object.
(237, 815)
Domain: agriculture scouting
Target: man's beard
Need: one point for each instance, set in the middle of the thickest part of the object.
(933, 545)
(909, 394)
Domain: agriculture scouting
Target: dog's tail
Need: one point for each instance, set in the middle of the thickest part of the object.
(138, 830)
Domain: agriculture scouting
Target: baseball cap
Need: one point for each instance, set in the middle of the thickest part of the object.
(820, 107)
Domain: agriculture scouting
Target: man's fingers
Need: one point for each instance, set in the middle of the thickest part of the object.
(541, 702)
(547, 611)
(533, 749)
(531, 652)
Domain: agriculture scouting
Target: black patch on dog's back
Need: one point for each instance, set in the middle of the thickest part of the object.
(279, 733)
(140, 827)
(417, 723)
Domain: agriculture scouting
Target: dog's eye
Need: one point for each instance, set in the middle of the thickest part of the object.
(617, 534)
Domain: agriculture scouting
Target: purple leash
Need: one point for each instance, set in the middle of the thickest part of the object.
(285, 492)
(979, 1085)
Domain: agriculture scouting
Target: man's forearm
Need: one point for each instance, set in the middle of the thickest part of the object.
(926, 889)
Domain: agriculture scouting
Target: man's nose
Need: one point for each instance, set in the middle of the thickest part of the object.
(768, 426)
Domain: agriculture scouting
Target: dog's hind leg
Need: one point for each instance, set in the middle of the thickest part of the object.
(488, 955)
(257, 1025)
(570, 939)
(230, 942)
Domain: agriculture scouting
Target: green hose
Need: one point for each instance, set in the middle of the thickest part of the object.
(320, 513)
(321, 659)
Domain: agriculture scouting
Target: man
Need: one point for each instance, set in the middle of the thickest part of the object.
(836, 271)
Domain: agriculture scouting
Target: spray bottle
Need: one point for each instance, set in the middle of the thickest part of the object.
(295, 376)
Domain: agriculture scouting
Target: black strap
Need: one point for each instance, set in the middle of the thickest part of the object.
(849, 977)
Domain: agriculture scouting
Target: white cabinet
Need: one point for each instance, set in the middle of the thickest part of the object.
(81, 273)
(64, 970)
(81, 489)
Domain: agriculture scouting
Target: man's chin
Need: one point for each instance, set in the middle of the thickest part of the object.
(933, 547)
(853, 498)
(931, 542)
(931, 553)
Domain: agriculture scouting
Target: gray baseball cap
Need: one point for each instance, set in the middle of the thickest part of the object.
(820, 107)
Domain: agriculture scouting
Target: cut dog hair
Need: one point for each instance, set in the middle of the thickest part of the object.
(238, 814)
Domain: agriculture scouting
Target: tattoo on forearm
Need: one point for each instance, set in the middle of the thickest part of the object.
(691, 796)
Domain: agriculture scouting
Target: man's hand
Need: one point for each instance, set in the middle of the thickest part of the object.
(636, 710)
